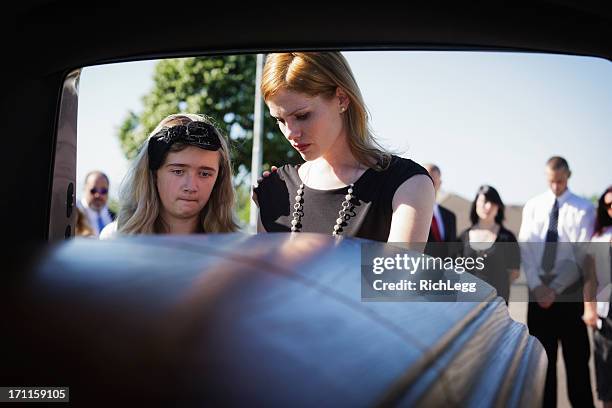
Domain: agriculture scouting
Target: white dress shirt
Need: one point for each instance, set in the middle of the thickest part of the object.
(438, 215)
(575, 224)
(92, 216)
(110, 231)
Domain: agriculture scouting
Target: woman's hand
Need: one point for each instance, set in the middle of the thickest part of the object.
(589, 316)
(267, 173)
(514, 274)
(260, 227)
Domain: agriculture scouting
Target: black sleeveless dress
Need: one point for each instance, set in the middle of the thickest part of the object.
(504, 254)
(370, 213)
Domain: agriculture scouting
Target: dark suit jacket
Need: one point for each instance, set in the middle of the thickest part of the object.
(450, 225)
(450, 235)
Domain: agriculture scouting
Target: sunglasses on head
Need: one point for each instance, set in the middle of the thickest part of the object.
(101, 191)
(200, 134)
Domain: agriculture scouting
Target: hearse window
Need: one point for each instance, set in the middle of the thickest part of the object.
(483, 117)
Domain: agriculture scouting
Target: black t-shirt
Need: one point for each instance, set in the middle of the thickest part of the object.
(371, 208)
(503, 255)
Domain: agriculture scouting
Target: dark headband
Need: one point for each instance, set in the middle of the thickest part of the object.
(200, 134)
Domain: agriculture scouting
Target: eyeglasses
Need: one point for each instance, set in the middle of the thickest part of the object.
(609, 205)
(101, 191)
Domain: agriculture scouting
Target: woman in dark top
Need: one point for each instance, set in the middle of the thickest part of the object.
(488, 238)
(348, 185)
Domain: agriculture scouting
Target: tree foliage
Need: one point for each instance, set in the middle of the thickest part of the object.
(223, 88)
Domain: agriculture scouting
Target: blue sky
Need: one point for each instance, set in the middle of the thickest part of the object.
(490, 118)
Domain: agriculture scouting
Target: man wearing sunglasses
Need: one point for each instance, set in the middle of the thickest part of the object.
(93, 202)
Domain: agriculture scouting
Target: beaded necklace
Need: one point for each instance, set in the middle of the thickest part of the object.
(343, 214)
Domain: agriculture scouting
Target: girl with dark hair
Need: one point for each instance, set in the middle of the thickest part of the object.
(487, 238)
(603, 220)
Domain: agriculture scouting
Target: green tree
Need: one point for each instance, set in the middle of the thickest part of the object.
(222, 87)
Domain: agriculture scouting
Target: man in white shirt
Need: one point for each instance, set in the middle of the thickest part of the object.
(558, 216)
(94, 201)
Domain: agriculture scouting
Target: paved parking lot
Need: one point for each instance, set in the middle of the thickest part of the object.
(518, 311)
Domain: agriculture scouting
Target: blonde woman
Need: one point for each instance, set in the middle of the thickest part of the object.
(180, 182)
(348, 185)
